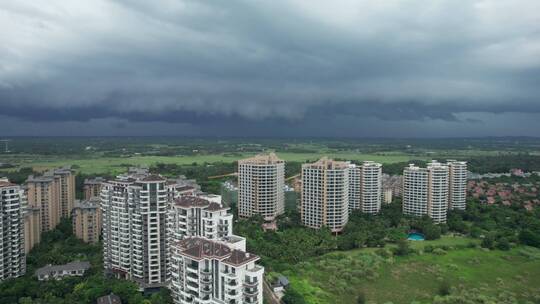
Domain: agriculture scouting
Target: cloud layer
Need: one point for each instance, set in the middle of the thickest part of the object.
(277, 67)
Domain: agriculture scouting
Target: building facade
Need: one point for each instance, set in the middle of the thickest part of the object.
(365, 187)
(260, 186)
(205, 271)
(12, 255)
(325, 194)
(191, 216)
(92, 187)
(86, 220)
(457, 191)
(134, 211)
(32, 228)
(425, 191)
(54, 194)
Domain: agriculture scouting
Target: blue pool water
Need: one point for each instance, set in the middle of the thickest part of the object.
(415, 237)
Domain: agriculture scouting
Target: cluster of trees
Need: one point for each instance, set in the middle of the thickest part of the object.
(293, 242)
(60, 246)
(498, 226)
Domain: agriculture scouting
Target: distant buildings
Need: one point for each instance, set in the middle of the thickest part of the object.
(205, 271)
(325, 194)
(92, 187)
(134, 210)
(432, 190)
(54, 194)
(58, 272)
(86, 220)
(12, 255)
(260, 186)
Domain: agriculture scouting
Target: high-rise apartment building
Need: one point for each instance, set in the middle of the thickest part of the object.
(86, 220)
(54, 194)
(196, 216)
(42, 193)
(260, 186)
(205, 271)
(66, 191)
(325, 194)
(365, 186)
(92, 187)
(457, 198)
(134, 212)
(425, 191)
(12, 255)
(32, 228)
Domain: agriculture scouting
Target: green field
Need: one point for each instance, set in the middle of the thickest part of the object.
(99, 165)
(341, 277)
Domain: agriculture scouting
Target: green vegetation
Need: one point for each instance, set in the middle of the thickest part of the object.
(59, 246)
(371, 262)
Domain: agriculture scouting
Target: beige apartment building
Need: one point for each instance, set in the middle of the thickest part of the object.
(32, 228)
(92, 187)
(325, 194)
(260, 186)
(54, 194)
(86, 219)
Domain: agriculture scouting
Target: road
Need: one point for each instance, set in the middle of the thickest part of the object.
(269, 295)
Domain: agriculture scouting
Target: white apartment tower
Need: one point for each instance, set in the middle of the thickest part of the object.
(325, 194)
(12, 254)
(425, 191)
(365, 187)
(206, 271)
(260, 186)
(134, 211)
(457, 198)
(191, 216)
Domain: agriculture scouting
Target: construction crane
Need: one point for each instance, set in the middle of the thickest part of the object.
(6, 145)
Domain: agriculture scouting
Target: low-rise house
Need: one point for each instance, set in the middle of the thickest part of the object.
(109, 299)
(58, 272)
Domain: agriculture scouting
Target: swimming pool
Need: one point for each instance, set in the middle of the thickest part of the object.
(415, 236)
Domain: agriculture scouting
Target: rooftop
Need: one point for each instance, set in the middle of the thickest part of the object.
(66, 267)
(262, 159)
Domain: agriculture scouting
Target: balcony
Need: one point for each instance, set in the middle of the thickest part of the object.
(251, 291)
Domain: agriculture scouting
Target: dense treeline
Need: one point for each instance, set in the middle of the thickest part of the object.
(60, 246)
(293, 243)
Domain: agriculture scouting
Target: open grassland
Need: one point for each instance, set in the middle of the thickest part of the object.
(97, 165)
(341, 277)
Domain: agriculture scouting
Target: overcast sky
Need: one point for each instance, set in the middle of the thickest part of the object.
(270, 68)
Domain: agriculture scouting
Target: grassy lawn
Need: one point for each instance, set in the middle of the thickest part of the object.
(341, 277)
(113, 165)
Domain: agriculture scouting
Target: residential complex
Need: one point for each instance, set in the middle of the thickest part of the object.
(54, 194)
(12, 255)
(134, 211)
(86, 220)
(92, 187)
(365, 187)
(457, 198)
(206, 271)
(425, 191)
(260, 186)
(325, 194)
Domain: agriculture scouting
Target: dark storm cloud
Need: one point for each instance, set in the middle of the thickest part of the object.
(268, 65)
